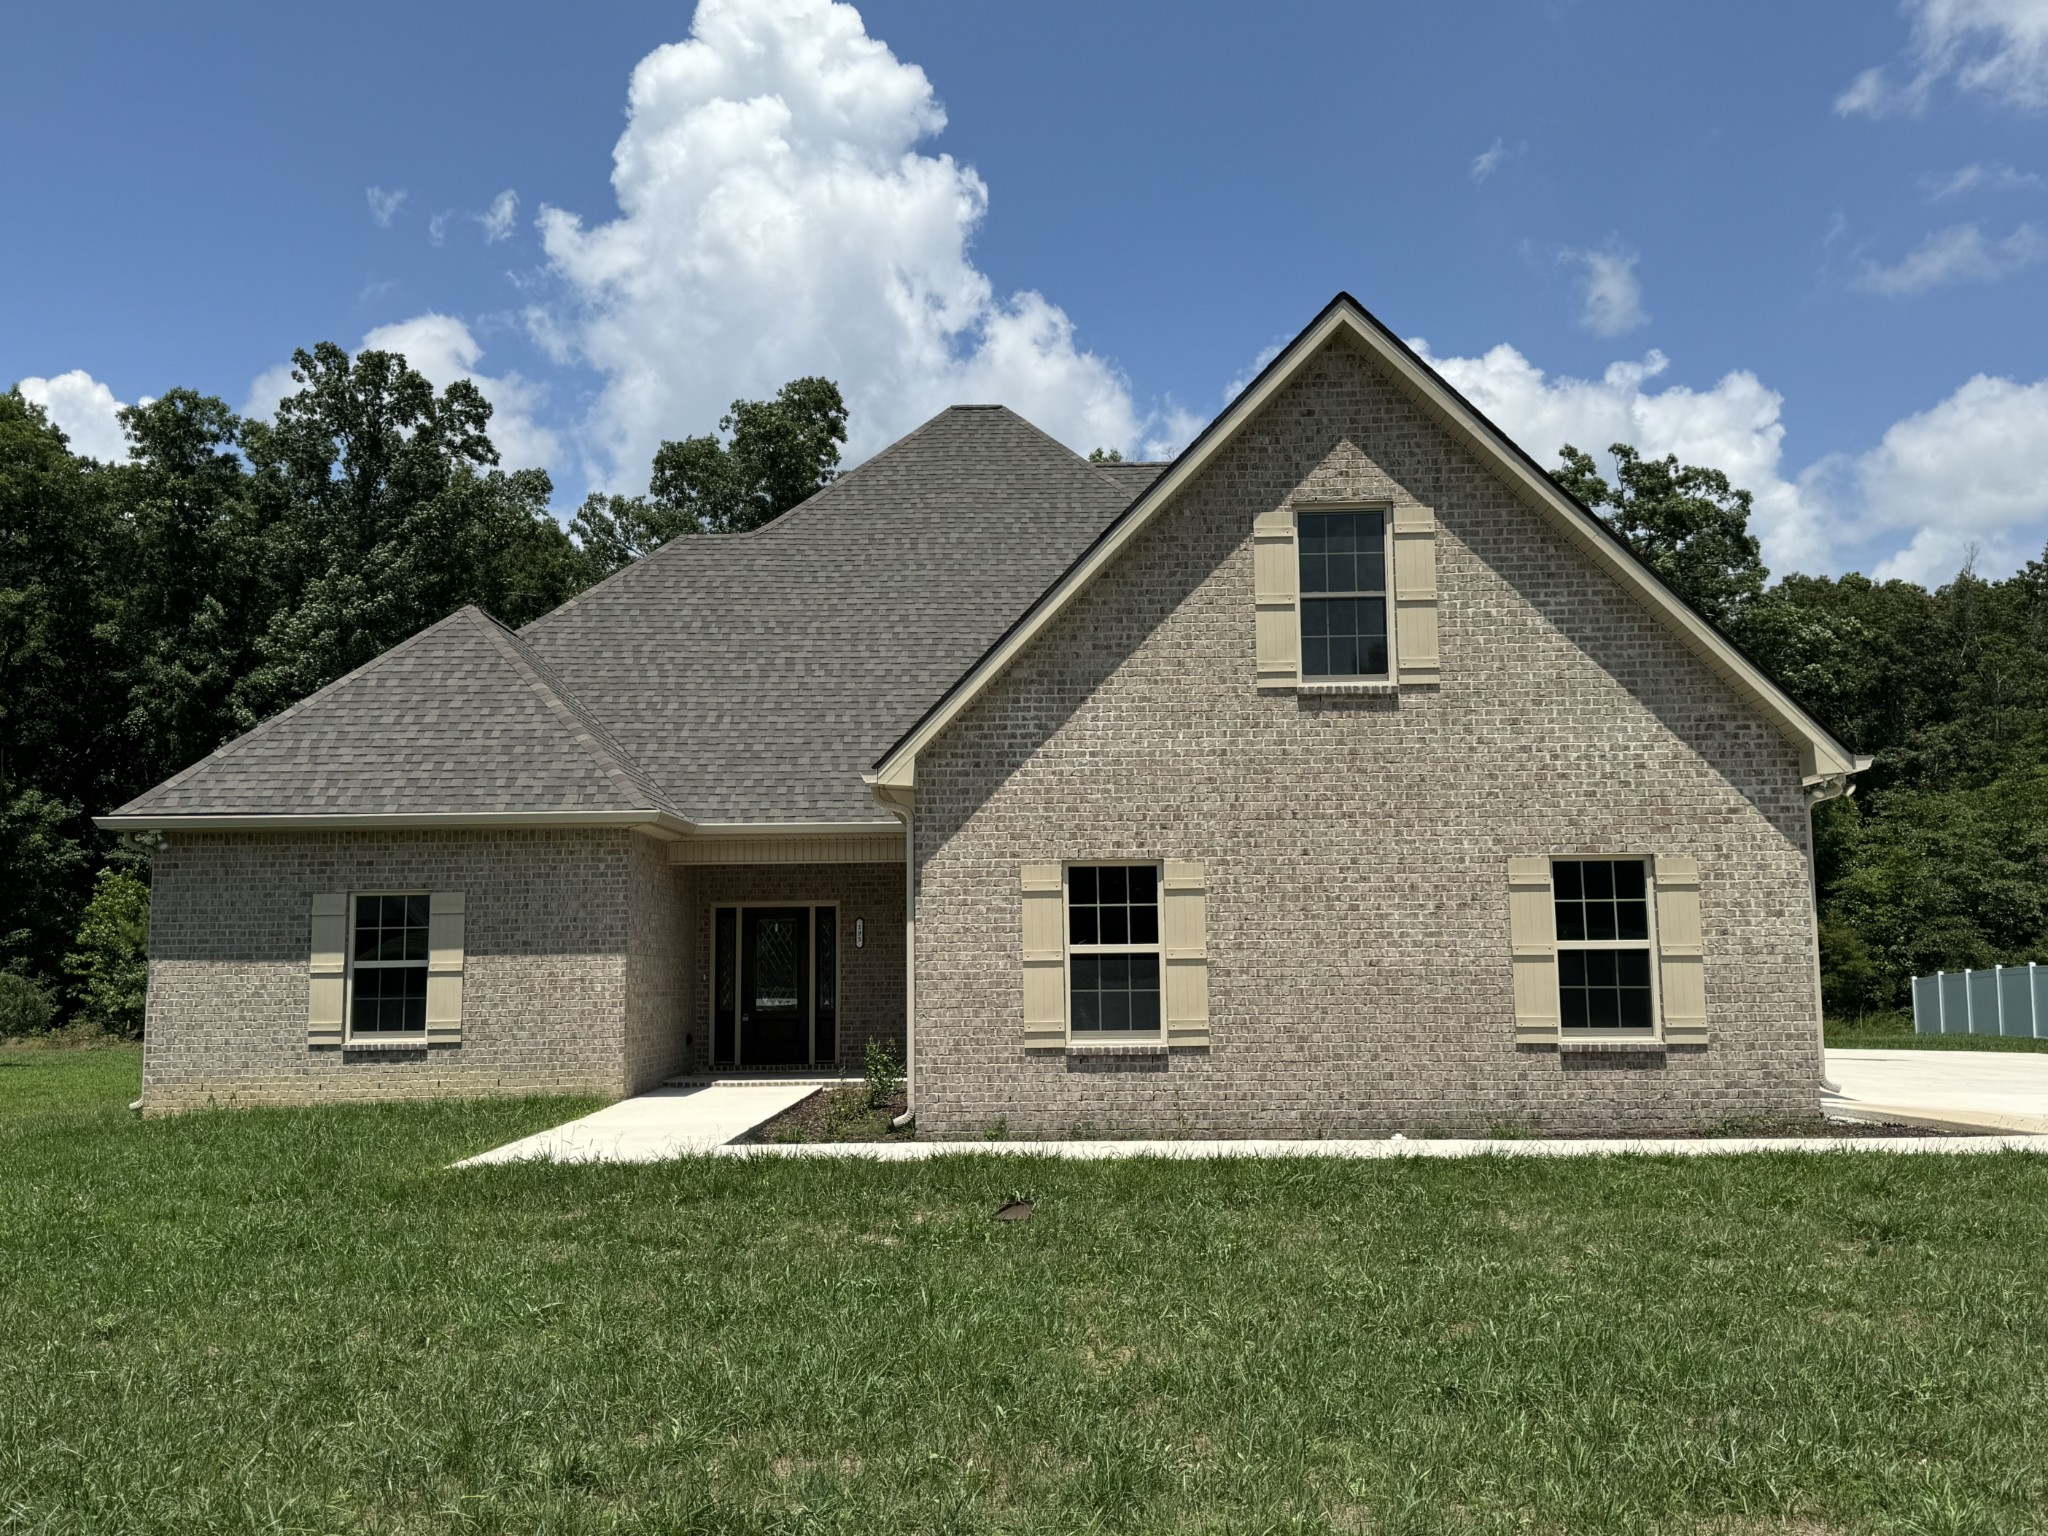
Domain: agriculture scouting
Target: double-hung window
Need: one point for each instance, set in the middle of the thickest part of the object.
(1343, 594)
(388, 967)
(1113, 953)
(1605, 980)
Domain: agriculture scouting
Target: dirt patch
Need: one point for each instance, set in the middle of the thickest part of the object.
(835, 1114)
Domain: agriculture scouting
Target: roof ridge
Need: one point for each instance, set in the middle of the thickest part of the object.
(574, 717)
(266, 726)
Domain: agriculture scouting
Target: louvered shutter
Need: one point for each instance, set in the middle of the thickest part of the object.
(327, 969)
(1681, 958)
(1045, 956)
(1276, 578)
(1184, 920)
(1532, 940)
(1415, 654)
(444, 965)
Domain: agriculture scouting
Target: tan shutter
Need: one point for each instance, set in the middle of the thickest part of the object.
(1681, 959)
(1415, 595)
(1276, 575)
(444, 965)
(327, 972)
(1184, 918)
(1045, 956)
(1532, 941)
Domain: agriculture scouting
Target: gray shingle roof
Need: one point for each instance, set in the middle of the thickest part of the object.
(756, 675)
(725, 678)
(461, 719)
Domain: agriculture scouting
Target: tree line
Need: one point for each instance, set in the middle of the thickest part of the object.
(153, 609)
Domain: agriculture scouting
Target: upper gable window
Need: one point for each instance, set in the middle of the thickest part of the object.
(1343, 594)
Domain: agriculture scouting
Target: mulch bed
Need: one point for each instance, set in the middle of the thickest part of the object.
(837, 1115)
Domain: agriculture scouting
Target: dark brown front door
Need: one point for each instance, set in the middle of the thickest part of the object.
(775, 1023)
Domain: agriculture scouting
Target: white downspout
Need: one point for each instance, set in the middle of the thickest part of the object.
(909, 975)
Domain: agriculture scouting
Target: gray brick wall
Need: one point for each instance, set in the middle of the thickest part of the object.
(657, 966)
(562, 940)
(1356, 850)
(870, 978)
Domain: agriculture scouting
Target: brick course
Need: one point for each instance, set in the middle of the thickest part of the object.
(1356, 848)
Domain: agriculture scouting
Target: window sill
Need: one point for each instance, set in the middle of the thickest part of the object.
(1641, 1044)
(1376, 688)
(1136, 1045)
(388, 1043)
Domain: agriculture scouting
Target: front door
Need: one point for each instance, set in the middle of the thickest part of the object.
(775, 1019)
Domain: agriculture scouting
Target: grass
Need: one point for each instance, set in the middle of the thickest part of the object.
(1894, 1032)
(300, 1321)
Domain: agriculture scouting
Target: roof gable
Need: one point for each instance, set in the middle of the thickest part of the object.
(1824, 758)
(462, 720)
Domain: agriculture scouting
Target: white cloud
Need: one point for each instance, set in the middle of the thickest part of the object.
(1488, 160)
(497, 219)
(84, 410)
(437, 227)
(384, 205)
(1979, 177)
(1997, 47)
(1958, 254)
(442, 348)
(1734, 427)
(1610, 296)
(1267, 353)
(1969, 475)
(777, 219)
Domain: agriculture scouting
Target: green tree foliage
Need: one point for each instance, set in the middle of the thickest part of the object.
(1689, 524)
(773, 455)
(26, 1007)
(110, 964)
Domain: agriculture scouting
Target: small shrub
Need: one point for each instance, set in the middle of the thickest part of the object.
(884, 1072)
(25, 1007)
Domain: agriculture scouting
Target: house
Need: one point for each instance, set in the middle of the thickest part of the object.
(1341, 776)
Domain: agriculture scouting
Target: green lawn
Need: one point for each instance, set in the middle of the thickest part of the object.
(300, 1322)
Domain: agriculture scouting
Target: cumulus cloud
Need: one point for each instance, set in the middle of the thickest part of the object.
(1488, 160)
(84, 410)
(443, 349)
(1736, 426)
(1610, 295)
(777, 218)
(498, 218)
(1998, 48)
(1979, 177)
(384, 205)
(1968, 477)
(1958, 254)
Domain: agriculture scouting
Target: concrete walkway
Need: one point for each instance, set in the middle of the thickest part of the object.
(1389, 1148)
(1978, 1090)
(671, 1121)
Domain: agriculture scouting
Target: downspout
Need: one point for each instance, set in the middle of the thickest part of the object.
(909, 976)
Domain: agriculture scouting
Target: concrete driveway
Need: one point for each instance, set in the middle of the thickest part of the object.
(1981, 1090)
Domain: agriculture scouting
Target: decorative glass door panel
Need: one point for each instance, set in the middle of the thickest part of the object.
(774, 986)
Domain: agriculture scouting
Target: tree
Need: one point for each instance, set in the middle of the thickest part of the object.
(776, 453)
(1105, 456)
(110, 963)
(386, 514)
(1687, 522)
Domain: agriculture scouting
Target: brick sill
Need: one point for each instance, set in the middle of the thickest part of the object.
(1116, 1047)
(1610, 1047)
(411, 1043)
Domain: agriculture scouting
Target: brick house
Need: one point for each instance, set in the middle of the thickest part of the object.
(1342, 775)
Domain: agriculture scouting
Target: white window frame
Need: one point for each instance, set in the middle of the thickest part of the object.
(1302, 598)
(407, 1039)
(1647, 944)
(1070, 949)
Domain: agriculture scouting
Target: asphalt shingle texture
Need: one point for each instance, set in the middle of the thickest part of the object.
(461, 718)
(728, 678)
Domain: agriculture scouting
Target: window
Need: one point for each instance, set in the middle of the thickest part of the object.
(1343, 593)
(1113, 949)
(388, 967)
(1604, 975)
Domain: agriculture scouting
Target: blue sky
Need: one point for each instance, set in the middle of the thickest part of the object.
(1808, 243)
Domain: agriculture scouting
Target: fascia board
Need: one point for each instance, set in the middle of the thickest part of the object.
(1820, 753)
(660, 823)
